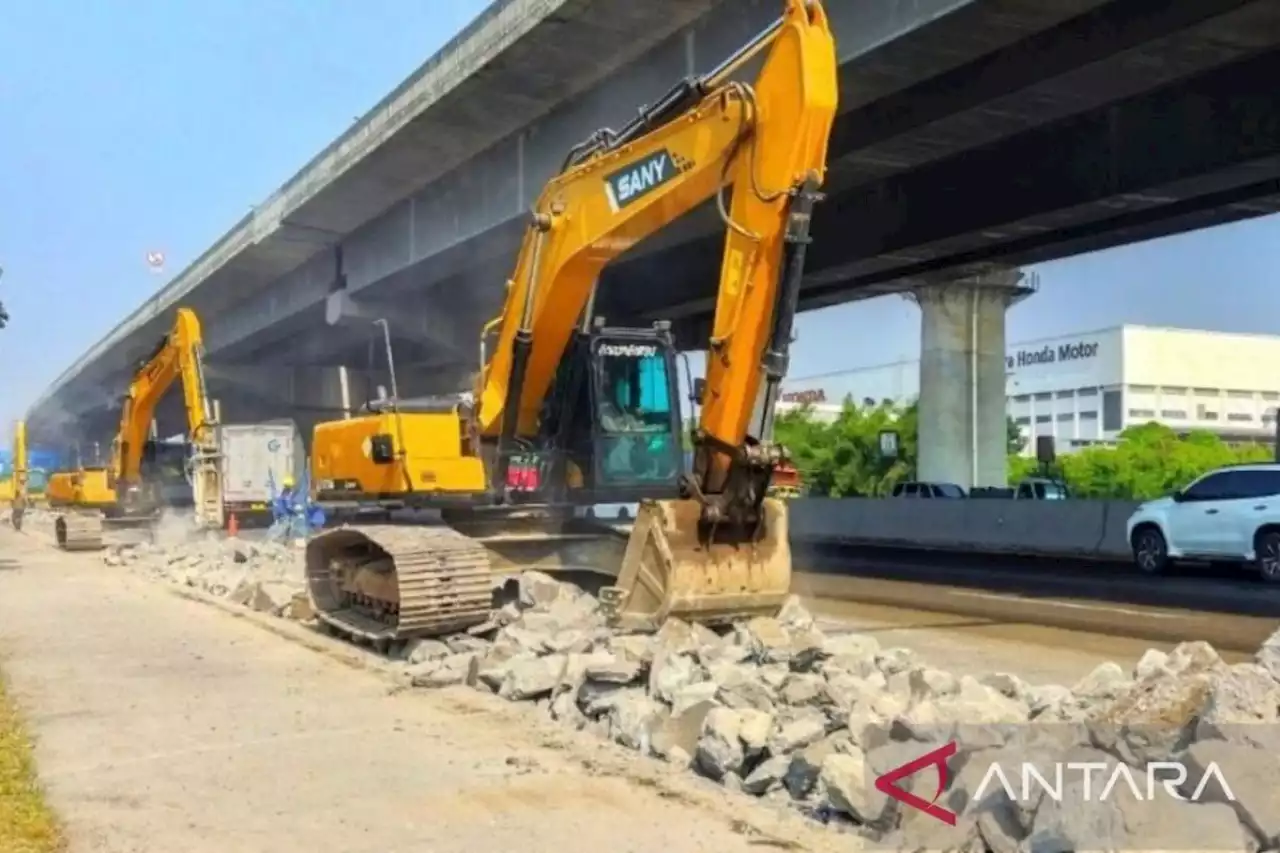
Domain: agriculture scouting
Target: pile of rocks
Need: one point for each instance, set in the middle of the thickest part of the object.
(776, 708)
(265, 576)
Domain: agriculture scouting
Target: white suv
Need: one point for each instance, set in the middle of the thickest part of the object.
(1231, 514)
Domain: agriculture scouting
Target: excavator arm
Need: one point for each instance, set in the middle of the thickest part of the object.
(178, 356)
(767, 140)
(21, 474)
(721, 551)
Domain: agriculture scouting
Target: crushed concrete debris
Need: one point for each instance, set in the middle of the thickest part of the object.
(776, 708)
(264, 576)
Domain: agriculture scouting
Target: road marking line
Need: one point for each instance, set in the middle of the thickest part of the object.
(1058, 603)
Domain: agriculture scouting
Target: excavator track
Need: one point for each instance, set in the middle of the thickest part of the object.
(385, 583)
(79, 531)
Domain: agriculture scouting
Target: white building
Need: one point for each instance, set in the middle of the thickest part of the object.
(1085, 388)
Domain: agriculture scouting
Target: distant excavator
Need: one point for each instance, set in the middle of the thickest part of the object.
(21, 476)
(569, 411)
(118, 492)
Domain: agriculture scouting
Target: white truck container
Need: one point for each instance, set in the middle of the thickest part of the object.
(256, 457)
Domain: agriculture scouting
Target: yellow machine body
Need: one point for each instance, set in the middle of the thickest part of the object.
(426, 449)
(85, 488)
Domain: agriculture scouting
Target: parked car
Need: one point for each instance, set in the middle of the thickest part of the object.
(611, 512)
(1231, 514)
(917, 489)
(1041, 489)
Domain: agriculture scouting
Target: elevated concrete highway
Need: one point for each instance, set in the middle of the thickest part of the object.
(971, 132)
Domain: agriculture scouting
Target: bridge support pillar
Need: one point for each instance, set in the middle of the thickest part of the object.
(963, 433)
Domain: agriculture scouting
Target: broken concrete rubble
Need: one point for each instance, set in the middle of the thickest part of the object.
(773, 707)
(778, 708)
(264, 576)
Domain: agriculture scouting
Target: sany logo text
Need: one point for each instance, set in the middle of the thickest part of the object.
(1028, 781)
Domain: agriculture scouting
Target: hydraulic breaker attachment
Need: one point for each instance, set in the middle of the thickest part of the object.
(668, 572)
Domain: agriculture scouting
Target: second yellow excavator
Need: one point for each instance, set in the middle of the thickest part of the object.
(569, 411)
(119, 491)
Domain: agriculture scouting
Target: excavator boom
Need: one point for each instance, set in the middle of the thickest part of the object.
(178, 356)
(770, 136)
(21, 475)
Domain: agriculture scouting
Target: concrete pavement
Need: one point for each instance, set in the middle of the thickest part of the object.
(165, 725)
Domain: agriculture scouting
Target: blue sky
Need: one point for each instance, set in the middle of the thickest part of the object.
(153, 125)
(1221, 279)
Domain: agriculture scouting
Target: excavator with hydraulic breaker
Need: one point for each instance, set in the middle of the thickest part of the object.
(21, 476)
(568, 411)
(120, 492)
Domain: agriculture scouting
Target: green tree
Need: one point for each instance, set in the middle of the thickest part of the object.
(841, 458)
(1151, 460)
(4, 316)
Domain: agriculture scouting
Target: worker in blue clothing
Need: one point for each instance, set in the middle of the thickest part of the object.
(284, 501)
(288, 519)
(293, 515)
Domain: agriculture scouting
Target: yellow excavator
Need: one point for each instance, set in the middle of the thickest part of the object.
(21, 476)
(569, 411)
(119, 492)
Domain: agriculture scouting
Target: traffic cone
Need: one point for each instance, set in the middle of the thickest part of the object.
(233, 525)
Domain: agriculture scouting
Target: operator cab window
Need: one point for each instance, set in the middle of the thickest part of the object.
(635, 417)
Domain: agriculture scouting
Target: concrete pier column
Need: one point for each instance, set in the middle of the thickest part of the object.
(963, 434)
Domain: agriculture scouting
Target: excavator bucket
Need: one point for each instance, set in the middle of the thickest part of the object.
(667, 572)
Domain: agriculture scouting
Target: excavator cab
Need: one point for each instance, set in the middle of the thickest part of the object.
(611, 423)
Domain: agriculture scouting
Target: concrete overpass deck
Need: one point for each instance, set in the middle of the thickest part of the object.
(970, 131)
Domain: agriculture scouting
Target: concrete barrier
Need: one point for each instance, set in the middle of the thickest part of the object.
(1077, 528)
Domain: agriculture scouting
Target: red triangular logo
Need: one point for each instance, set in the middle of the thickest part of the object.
(937, 758)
